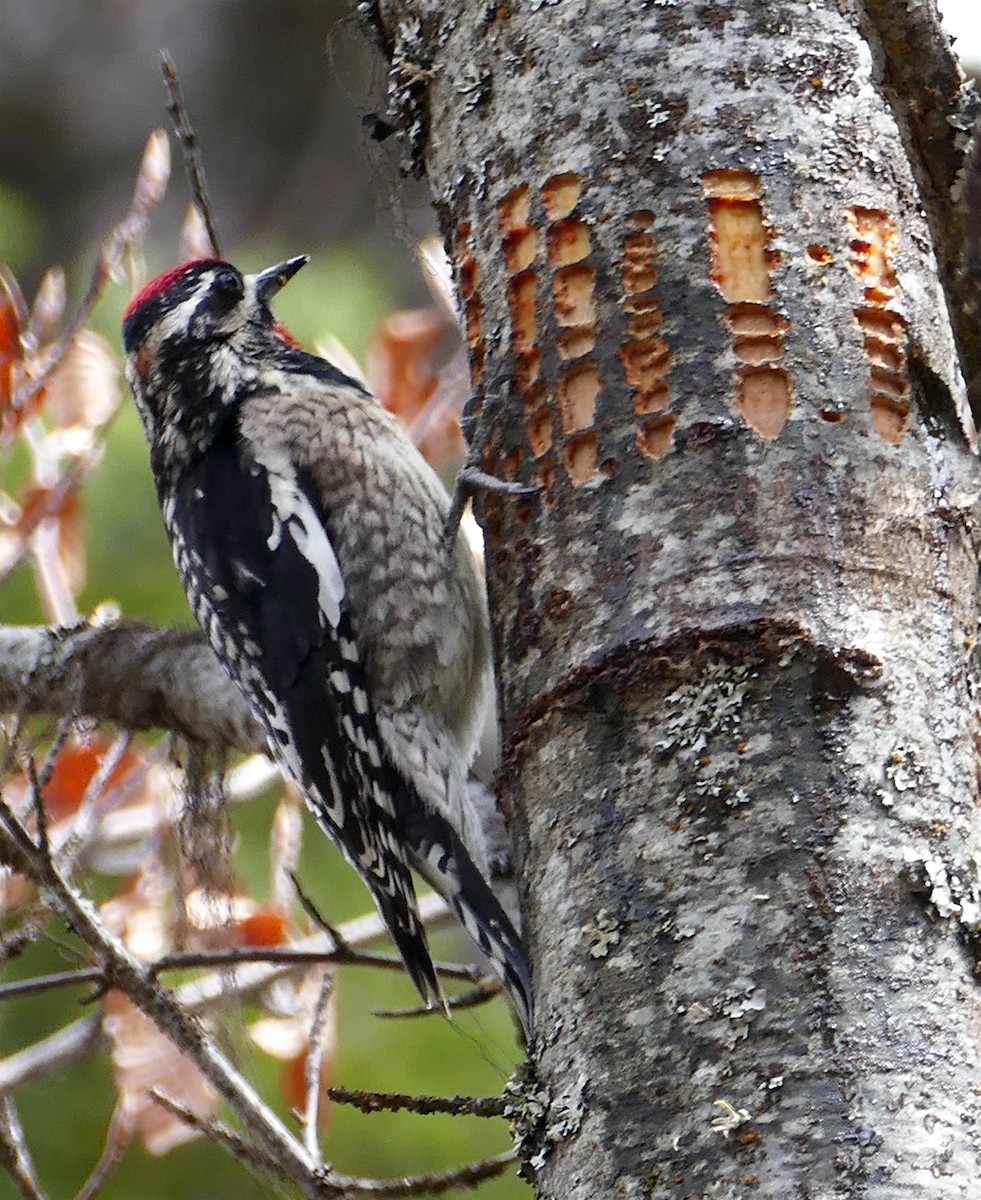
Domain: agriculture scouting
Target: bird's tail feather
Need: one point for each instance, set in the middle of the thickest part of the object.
(438, 854)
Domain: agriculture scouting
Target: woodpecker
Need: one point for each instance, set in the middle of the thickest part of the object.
(308, 533)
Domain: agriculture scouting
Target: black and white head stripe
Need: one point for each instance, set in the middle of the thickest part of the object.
(203, 299)
(165, 302)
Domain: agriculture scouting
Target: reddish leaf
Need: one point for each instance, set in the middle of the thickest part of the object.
(402, 375)
(73, 771)
(11, 348)
(263, 928)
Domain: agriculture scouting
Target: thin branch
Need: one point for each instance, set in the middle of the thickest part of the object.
(40, 814)
(296, 956)
(253, 977)
(69, 1045)
(89, 814)
(334, 1185)
(118, 1137)
(455, 1106)
(39, 780)
(320, 1027)
(84, 1037)
(14, 1155)
(237, 956)
(239, 1148)
(434, 1184)
(190, 150)
(485, 990)
(46, 983)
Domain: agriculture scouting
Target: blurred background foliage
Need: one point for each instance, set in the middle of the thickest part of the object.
(276, 93)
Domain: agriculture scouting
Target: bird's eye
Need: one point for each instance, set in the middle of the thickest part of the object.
(228, 284)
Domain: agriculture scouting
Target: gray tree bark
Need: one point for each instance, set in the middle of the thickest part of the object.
(697, 249)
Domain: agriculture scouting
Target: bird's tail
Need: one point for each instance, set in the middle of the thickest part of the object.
(375, 850)
(436, 851)
(400, 913)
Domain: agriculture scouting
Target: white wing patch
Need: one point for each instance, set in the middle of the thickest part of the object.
(293, 514)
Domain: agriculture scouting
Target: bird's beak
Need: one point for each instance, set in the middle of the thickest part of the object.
(269, 281)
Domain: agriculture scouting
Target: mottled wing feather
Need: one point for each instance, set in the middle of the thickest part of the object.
(244, 555)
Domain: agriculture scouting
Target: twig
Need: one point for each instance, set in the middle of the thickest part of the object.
(89, 813)
(434, 1184)
(38, 780)
(334, 1185)
(253, 977)
(69, 1045)
(233, 957)
(296, 956)
(14, 1155)
(344, 953)
(118, 1137)
(40, 814)
(455, 1106)
(319, 921)
(217, 1131)
(312, 1068)
(485, 990)
(190, 150)
(46, 983)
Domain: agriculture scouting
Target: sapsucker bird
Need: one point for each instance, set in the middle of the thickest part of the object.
(309, 535)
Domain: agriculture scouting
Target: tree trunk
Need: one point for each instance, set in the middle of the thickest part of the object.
(695, 247)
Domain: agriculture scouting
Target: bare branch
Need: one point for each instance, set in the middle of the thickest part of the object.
(129, 673)
(253, 977)
(456, 1106)
(69, 1045)
(14, 1155)
(46, 983)
(245, 1151)
(435, 1184)
(320, 1028)
(296, 956)
(82, 1038)
(333, 1185)
(487, 988)
(190, 150)
(118, 1138)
